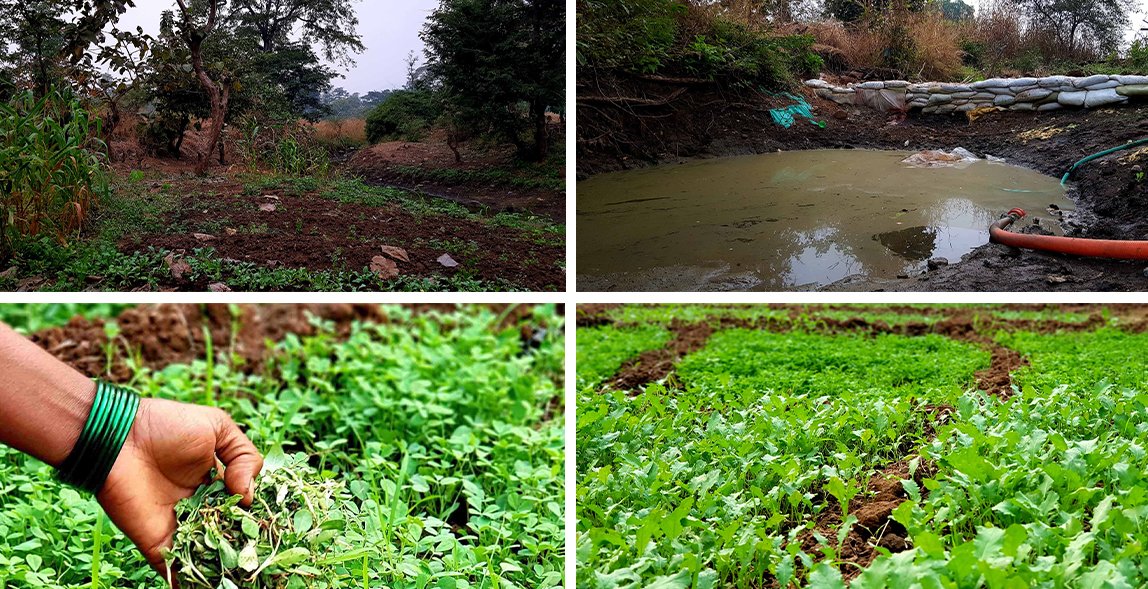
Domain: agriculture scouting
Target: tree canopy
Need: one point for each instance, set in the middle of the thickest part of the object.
(328, 24)
(500, 64)
(1099, 24)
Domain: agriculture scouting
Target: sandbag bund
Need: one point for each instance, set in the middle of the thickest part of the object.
(1020, 94)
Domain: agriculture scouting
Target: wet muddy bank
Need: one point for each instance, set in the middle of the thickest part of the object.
(1110, 197)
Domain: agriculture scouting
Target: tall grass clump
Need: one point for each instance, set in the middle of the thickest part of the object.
(341, 133)
(286, 148)
(884, 45)
(52, 167)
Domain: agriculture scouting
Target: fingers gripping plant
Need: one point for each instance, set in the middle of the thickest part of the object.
(295, 535)
(51, 167)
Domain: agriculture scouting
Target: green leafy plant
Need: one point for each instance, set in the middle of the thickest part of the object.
(406, 114)
(52, 168)
(299, 532)
(423, 452)
(782, 424)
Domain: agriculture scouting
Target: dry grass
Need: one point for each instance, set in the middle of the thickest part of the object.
(934, 44)
(342, 131)
(937, 46)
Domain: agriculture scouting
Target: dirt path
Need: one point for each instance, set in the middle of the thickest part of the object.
(1109, 194)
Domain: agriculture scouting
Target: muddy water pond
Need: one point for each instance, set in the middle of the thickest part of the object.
(794, 220)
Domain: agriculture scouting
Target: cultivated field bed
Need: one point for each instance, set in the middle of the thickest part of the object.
(436, 429)
(869, 446)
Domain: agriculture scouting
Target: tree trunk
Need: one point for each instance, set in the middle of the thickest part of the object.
(178, 145)
(110, 128)
(218, 93)
(452, 141)
(541, 132)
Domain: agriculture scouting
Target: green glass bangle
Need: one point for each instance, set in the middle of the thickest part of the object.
(105, 431)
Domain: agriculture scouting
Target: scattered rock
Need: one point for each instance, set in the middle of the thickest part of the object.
(218, 287)
(178, 267)
(397, 253)
(384, 267)
(447, 261)
(935, 263)
(203, 236)
(1057, 279)
(231, 231)
(268, 207)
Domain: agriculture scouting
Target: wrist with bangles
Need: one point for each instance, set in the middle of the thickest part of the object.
(113, 412)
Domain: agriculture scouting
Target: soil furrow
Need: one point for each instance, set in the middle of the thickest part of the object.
(160, 335)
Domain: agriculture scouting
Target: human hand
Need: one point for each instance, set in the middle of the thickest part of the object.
(170, 451)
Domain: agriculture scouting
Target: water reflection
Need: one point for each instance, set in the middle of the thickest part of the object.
(790, 220)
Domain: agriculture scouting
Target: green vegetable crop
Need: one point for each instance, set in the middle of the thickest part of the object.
(765, 464)
(298, 533)
(423, 453)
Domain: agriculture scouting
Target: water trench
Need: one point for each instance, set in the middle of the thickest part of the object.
(794, 220)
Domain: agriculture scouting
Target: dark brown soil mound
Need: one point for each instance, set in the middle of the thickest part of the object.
(280, 229)
(165, 334)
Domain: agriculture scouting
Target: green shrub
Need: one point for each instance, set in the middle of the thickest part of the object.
(406, 114)
(51, 168)
(672, 38)
(1138, 56)
(633, 35)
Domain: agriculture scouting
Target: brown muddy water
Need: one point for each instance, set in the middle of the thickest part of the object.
(794, 220)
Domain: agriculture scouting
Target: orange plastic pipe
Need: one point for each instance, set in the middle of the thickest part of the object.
(1092, 248)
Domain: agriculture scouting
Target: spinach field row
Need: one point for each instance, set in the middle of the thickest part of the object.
(871, 450)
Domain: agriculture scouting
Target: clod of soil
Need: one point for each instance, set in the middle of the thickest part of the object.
(654, 365)
(174, 333)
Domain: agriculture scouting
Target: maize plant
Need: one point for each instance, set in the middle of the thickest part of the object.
(52, 167)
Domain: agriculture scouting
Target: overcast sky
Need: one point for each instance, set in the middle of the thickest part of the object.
(1136, 18)
(390, 30)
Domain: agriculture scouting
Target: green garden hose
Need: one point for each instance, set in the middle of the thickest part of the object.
(1101, 154)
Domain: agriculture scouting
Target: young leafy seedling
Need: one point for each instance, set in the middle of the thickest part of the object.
(287, 538)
